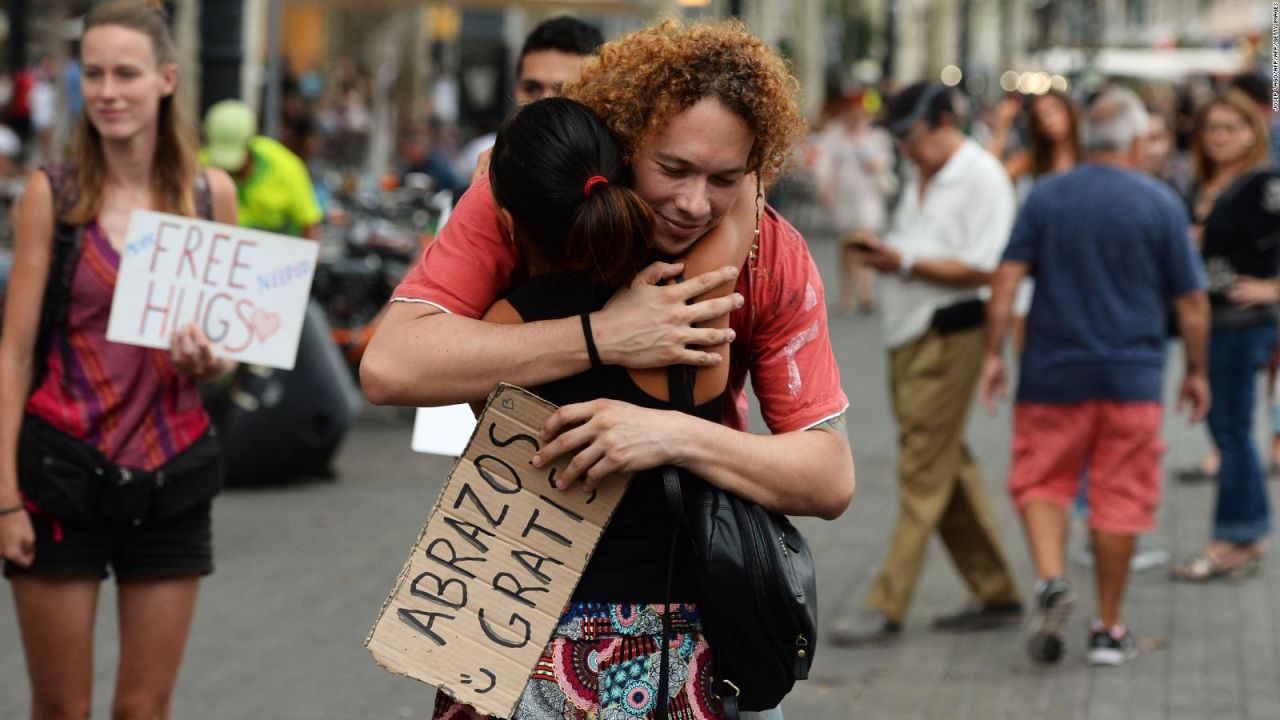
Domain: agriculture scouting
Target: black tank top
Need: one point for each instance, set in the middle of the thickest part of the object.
(630, 562)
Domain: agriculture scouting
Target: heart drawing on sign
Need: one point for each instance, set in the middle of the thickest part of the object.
(508, 403)
(265, 324)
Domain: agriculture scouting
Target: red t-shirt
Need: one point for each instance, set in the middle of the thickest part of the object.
(782, 337)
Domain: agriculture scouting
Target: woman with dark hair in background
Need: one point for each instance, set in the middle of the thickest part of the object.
(1052, 146)
(1053, 136)
(66, 393)
(560, 183)
(1235, 208)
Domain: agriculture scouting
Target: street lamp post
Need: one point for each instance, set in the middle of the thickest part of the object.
(890, 40)
(17, 35)
(221, 51)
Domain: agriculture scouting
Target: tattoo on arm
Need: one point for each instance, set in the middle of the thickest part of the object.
(835, 424)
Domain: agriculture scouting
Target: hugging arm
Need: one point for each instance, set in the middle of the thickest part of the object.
(803, 472)
(421, 355)
(434, 350)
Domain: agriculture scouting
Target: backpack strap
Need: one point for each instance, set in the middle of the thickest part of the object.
(68, 242)
(64, 256)
(204, 196)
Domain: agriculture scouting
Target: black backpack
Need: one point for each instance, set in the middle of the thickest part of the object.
(758, 587)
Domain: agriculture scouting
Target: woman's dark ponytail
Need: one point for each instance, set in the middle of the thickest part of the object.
(559, 171)
(609, 234)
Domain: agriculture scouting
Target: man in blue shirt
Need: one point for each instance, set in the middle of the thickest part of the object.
(1109, 248)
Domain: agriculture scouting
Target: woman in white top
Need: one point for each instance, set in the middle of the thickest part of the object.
(855, 179)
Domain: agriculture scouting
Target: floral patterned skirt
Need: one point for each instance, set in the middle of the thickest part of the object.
(603, 663)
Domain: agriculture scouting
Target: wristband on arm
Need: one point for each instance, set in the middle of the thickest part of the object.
(592, 353)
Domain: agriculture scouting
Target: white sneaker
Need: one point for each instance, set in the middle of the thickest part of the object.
(1105, 649)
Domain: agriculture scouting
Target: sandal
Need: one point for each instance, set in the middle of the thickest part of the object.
(1203, 567)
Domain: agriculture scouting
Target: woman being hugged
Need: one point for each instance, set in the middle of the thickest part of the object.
(85, 423)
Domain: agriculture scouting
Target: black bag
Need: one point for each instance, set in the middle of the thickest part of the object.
(758, 587)
(964, 315)
(61, 475)
(73, 480)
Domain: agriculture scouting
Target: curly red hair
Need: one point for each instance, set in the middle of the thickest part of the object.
(641, 80)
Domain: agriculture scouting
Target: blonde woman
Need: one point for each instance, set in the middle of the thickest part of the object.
(82, 415)
(1236, 213)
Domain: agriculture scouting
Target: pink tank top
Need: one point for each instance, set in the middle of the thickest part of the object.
(128, 401)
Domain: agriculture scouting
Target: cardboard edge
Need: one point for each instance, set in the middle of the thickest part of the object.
(403, 575)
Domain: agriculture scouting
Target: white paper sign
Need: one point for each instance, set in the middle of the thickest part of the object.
(246, 289)
(443, 430)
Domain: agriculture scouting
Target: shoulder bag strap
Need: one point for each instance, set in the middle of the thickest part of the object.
(203, 196)
(67, 240)
(680, 395)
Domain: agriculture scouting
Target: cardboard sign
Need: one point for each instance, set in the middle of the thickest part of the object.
(246, 289)
(442, 430)
(493, 569)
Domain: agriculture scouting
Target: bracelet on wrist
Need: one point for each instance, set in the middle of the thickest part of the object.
(592, 353)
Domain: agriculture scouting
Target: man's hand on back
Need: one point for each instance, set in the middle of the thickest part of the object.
(649, 325)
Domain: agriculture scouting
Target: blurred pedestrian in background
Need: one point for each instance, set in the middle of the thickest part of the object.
(272, 184)
(945, 239)
(1090, 381)
(1258, 89)
(423, 152)
(1052, 145)
(1161, 157)
(1052, 137)
(1236, 215)
(855, 180)
(79, 414)
(552, 55)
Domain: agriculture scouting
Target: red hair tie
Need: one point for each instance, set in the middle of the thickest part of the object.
(593, 181)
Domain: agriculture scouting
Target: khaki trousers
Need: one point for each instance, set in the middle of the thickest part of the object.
(932, 381)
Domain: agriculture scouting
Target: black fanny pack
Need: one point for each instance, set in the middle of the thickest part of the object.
(72, 480)
(964, 315)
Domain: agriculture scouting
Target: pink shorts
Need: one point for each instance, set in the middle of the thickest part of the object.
(1117, 443)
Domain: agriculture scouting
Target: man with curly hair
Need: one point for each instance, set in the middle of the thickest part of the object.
(707, 117)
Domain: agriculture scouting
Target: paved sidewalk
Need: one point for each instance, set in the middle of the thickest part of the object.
(302, 571)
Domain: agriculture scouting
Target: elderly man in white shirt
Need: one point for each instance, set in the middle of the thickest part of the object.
(945, 240)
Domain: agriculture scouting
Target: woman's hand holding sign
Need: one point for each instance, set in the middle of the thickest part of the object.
(606, 437)
(192, 355)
